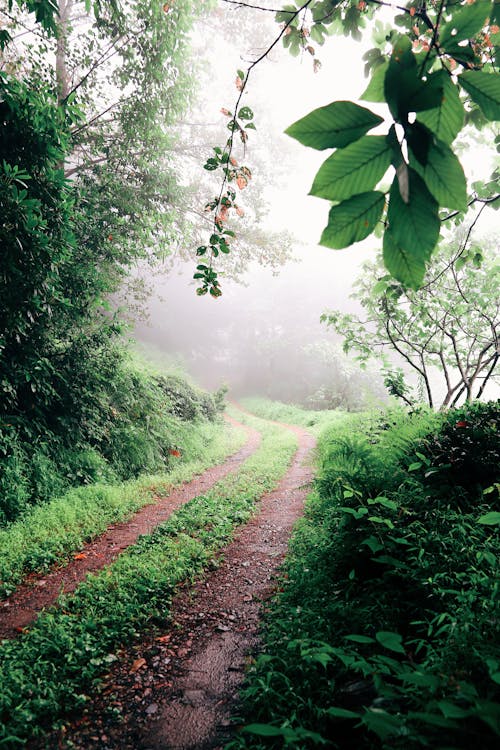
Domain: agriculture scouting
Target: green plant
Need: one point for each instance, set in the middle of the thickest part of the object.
(384, 633)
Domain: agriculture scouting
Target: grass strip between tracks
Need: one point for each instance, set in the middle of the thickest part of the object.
(52, 532)
(51, 670)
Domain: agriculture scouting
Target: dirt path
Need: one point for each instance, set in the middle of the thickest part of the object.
(41, 590)
(178, 689)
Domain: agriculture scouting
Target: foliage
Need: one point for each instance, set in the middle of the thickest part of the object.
(385, 630)
(50, 670)
(462, 460)
(124, 422)
(434, 69)
(451, 324)
(291, 414)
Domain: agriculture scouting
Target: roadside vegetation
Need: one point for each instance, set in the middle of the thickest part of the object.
(385, 632)
(51, 670)
(133, 419)
(51, 533)
(314, 421)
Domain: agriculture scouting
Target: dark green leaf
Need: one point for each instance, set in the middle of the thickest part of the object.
(466, 21)
(405, 90)
(420, 139)
(484, 88)
(391, 641)
(415, 224)
(405, 266)
(268, 730)
(333, 126)
(447, 120)
(353, 220)
(341, 713)
(444, 176)
(359, 638)
(434, 720)
(384, 725)
(354, 169)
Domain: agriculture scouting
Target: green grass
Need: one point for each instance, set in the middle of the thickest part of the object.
(314, 421)
(55, 667)
(52, 532)
(386, 632)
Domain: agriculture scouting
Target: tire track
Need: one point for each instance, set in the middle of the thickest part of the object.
(185, 690)
(40, 591)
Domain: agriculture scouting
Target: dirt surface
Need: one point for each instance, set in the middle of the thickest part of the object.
(178, 688)
(39, 591)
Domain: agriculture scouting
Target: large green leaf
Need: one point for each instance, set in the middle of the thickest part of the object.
(466, 21)
(407, 267)
(405, 91)
(333, 126)
(353, 220)
(484, 88)
(354, 169)
(446, 120)
(374, 92)
(390, 640)
(412, 232)
(444, 176)
(415, 223)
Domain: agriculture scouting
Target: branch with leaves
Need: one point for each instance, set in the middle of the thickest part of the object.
(435, 71)
(451, 324)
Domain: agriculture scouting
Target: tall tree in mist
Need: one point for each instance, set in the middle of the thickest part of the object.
(448, 332)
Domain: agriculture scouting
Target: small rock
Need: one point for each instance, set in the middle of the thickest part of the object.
(152, 708)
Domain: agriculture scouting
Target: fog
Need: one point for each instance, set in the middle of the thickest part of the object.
(264, 337)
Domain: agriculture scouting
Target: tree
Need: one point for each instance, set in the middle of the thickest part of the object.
(449, 329)
(434, 69)
(77, 210)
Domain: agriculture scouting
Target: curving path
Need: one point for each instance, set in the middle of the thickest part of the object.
(178, 690)
(41, 590)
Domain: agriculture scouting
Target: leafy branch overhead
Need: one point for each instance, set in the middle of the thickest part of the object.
(435, 71)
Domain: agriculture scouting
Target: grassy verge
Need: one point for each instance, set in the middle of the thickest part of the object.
(386, 632)
(315, 421)
(52, 669)
(51, 532)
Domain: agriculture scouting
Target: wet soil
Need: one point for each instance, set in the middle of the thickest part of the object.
(40, 591)
(178, 687)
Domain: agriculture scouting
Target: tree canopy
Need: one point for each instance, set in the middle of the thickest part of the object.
(447, 332)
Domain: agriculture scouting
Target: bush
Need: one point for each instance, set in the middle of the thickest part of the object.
(128, 420)
(463, 458)
(386, 632)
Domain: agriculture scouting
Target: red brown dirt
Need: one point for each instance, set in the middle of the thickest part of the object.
(178, 687)
(39, 591)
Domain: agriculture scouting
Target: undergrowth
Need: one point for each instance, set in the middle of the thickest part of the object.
(129, 419)
(386, 632)
(315, 421)
(52, 669)
(50, 533)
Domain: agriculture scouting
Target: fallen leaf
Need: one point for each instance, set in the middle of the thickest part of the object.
(136, 665)
(80, 556)
(164, 638)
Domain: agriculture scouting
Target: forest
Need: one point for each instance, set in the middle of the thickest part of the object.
(249, 394)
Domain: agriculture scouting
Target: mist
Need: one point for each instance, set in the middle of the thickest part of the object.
(263, 336)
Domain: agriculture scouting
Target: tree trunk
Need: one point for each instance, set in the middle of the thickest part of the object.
(62, 76)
